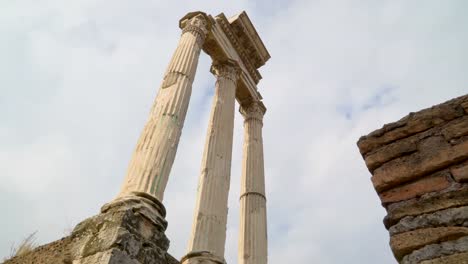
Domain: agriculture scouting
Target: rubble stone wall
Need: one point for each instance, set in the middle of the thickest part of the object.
(419, 168)
(129, 230)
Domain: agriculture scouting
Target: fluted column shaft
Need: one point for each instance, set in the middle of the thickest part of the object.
(154, 155)
(210, 217)
(253, 242)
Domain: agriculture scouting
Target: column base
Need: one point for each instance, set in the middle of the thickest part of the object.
(201, 257)
(129, 230)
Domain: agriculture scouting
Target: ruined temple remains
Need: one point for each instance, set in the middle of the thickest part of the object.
(419, 168)
(130, 228)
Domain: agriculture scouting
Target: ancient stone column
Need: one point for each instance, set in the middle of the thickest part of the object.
(419, 168)
(253, 219)
(208, 236)
(154, 155)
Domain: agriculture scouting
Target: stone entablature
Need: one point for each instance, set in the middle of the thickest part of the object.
(250, 41)
(237, 39)
(419, 168)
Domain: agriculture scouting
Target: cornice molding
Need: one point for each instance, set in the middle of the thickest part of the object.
(226, 26)
(253, 44)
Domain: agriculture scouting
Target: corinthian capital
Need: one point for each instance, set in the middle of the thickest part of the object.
(228, 69)
(197, 23)
(253, 110)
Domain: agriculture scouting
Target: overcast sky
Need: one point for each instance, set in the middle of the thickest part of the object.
(77, 79)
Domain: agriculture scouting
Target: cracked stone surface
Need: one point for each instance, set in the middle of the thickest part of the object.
(419, 168)
(437, 250)
(128, 230)
(449, 217)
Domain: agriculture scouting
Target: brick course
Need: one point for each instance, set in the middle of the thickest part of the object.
(419, 168)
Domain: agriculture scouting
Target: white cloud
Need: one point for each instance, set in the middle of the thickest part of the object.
(77, 81)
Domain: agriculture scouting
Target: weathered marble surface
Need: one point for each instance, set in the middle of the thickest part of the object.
(156, 149)
(253, 239)
(211, 209)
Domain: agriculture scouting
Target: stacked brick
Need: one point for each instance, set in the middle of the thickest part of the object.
(419, 168)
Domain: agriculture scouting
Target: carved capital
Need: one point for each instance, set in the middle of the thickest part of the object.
(197, 23)
(228, 69)
(253, 110)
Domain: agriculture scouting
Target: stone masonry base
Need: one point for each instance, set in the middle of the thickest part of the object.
(128, 230)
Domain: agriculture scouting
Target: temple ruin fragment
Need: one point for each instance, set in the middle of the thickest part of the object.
(130, 228)
(419, 168)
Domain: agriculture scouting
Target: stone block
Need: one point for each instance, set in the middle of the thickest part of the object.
(457, 216)
(404, 243)
(432, 183)
(413, 123)
(389, 152)
(398, 171)
(437, 250)
(465, 105)
(111, 256)
(426, 204)
(460, 173)
(461, 258)
(456, 128)
(392, 132)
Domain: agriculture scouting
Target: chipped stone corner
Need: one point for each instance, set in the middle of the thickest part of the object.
(419, 168)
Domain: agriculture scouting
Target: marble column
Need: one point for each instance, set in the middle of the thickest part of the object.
(253, 242)
(208, 236)
(154, 155)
